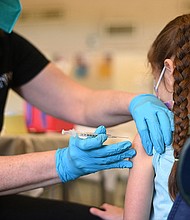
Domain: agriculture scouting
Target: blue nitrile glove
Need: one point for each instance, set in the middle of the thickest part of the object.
(154, 122)
(9, 13)
(85, 156)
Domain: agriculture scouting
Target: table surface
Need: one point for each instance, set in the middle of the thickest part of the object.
(27, 143)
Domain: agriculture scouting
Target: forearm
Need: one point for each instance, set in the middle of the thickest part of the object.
(30, 187)
(68, 100)
(108, 107)
(27, 171)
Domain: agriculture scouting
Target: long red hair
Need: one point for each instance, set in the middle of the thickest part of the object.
(174, 41)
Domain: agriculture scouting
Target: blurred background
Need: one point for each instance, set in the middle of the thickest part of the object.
(101, 44)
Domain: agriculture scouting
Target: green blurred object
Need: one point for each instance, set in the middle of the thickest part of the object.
(9, 13)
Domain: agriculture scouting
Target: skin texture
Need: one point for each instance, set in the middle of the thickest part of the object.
(139, 196)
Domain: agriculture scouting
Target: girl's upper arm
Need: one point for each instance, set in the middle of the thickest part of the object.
(138, 197)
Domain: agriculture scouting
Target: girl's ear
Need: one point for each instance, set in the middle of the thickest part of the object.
(168, 76)
(169, 65)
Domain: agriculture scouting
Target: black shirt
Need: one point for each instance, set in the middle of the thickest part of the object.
(20, 61)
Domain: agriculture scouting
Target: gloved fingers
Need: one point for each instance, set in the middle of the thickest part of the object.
(160, 132)
(146, 141)
(112, 149)
(114, 158)
(166, 125)
(100, 130)
(157, 140)
(154, 128)
(90, 142)
(95, 167)
(119, 164)
(156, 135)
(143, 130)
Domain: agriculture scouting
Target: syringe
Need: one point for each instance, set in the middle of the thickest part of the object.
(75, 133)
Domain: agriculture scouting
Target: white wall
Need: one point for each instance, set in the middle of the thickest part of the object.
(85, 20)
(82, 29)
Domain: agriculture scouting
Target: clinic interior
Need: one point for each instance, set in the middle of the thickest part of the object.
(101, 44)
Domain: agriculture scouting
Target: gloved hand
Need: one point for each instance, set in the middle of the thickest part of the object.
(154, 122)
(85, 156)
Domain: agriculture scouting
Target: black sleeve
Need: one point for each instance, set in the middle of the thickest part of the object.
(27, 60)
(24, 207)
